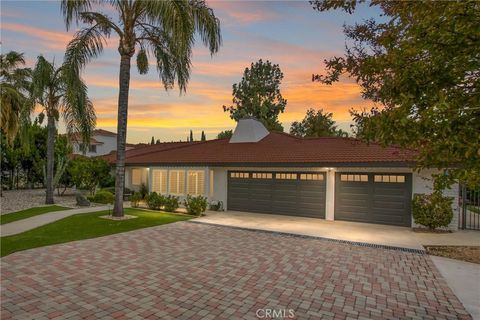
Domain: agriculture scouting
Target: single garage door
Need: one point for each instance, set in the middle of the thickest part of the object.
(383, 198)
(288, 193)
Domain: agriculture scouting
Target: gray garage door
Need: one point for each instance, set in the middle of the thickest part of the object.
(383, 198)
(288, 193)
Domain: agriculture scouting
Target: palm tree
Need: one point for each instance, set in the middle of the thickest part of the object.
(14, 89)
(163, 30)
(61, 93)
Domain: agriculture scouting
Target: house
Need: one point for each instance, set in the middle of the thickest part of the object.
(329, 178)
(102, 142)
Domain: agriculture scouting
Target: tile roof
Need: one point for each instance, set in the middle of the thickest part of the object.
(102, 132)
(276, 148)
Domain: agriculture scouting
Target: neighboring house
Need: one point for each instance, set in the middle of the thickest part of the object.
(102, 142)
(329, 178)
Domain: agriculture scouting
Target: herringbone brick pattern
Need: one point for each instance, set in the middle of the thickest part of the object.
(193, 271)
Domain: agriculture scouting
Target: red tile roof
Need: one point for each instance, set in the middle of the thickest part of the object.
(102, 132)
(276, 148)
(146, 149)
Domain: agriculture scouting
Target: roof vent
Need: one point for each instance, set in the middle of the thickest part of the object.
(248, 130)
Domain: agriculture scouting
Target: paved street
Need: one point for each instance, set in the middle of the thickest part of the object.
(187, 270)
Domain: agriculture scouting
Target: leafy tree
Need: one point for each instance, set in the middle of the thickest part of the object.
(61, 92)
(316, 124)
(88, 172)
(225, 134)
(158, 141)
(191, 136)
(258, 95)
(152, 142)
(163, 30)
(421, 65)
(14, 91)
(203, 138)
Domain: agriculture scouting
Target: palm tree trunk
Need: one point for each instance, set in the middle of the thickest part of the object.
(124, 84)
(50, 159)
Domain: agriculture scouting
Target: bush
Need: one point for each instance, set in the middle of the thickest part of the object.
(102, 196)
(143, 190)
(154, 201)
(135, 199)
(432, 210)
(171, 203)
(109, 189)
(216, 206)
(195, 205)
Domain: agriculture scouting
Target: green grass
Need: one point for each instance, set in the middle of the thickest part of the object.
(24, 214)
(475, 209)
(84, 226)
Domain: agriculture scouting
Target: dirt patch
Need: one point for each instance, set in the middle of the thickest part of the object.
(464, 253)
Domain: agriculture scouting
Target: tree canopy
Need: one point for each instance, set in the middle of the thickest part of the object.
(316, 124)
(225, 134)
(420, 65)
(258, 95)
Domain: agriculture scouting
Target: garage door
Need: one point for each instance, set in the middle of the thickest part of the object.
(288, 193)
(383, 198)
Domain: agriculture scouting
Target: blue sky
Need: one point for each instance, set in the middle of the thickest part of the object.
(288, 33)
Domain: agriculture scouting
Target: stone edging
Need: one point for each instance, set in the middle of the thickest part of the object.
(354, 243)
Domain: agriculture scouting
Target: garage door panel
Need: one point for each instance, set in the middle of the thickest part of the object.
(385, 202)
(288, 195)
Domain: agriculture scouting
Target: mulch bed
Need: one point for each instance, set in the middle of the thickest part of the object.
(464, 253)
(425, 230)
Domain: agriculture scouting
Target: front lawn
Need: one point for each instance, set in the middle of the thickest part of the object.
(24, 214)
(84, 226)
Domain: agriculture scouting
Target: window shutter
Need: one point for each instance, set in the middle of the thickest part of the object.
(173, 182)
(181, 182)
(136, 177)
(159, 181)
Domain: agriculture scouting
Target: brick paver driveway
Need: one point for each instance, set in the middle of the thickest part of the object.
(193, 271)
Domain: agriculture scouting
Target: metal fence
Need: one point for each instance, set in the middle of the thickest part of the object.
(470, 208)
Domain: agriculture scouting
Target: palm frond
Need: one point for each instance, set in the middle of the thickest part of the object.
(42, 79)
(207, 25)
(72, 9)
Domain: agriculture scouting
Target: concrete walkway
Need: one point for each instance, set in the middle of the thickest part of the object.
(341, 230)
(464, 279)
(42, 219)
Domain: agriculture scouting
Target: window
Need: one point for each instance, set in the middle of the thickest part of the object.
(211, 183)
(261, 175)
(177, 182)
(354, 177)
(389, 178)
(92, 148)
(286, 176)
(311, 176)
(159, 181)
(136, 177)
(241, 175)
(196, 182)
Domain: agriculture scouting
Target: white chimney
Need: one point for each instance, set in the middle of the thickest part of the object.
(248, 130)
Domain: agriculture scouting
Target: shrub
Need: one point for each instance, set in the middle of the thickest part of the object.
(102, 196)
(171, 203)
(143, 190)
(109, 189)
(195, 205)
(216, 206)
(135, 199)
(154, 200)
(432, 210)
(87, 173)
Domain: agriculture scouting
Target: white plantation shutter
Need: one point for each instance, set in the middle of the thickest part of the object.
(159, 181)
(177, 182)
(136, 177)
(196, 182)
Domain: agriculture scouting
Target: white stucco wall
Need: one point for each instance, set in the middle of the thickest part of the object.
(109, 144)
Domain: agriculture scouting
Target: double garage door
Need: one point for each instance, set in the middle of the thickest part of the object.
(288, 193)
(361, 197)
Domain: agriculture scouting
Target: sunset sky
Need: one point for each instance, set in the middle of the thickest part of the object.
(288, 33)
